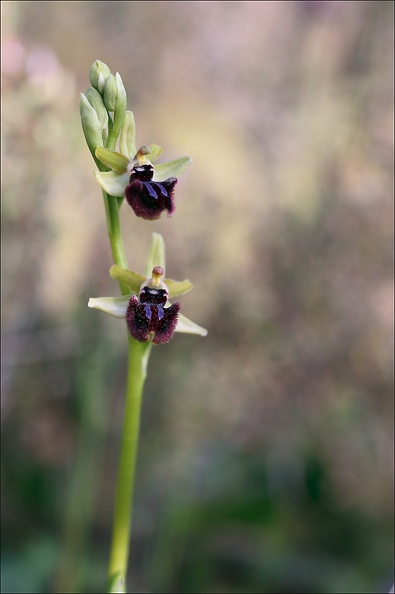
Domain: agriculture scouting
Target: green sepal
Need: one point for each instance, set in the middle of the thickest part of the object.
(133, 280)
(156, 255)
(114, 306)
(173, 168)
(112, 159)
(127, 139)
(155, 152)
(186, 326)
(112, 182)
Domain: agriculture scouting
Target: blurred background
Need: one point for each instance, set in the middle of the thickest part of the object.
(266, 449)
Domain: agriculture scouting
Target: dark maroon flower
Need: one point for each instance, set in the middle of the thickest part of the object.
(149, 198)
(147, 314)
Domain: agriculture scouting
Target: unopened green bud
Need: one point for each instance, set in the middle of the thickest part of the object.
(95, 99)
(119, 112)
(110, 93)
(90, 125)
(121, 96)
(98, 75)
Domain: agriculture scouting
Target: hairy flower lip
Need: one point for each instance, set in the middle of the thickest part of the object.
(147, 320)
(149, 198)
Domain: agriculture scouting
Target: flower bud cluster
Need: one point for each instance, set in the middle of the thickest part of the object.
(106, 95)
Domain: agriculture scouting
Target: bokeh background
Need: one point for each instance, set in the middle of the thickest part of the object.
(266, 452)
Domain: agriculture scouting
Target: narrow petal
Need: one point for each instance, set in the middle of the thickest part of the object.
(113, 183)
(163, 171)
(115, 306)
(186, 326)
(132, 279)
(177, 287)
(112, 159)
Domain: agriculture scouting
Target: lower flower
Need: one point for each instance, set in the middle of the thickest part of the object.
(147, 308)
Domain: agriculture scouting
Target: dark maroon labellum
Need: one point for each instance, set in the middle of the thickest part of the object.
(149, 198)
(148, 314)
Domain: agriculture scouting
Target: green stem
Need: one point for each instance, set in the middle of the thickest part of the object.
(138, 355)
(115, 235)
(137, 368)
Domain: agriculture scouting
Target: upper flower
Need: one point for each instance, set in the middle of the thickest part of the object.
(148, 186)
(106, 124)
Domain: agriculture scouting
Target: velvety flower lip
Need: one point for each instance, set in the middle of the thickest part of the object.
(149, 198)
(147, 316)
(144, 319)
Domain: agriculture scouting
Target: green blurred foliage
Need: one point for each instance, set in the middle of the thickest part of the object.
(266, 450)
